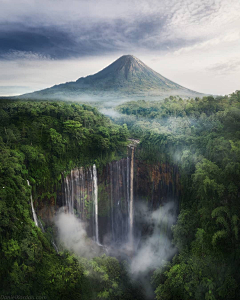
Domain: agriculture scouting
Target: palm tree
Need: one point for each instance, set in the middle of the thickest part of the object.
(228, 222)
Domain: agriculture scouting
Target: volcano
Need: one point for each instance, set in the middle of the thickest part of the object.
(126, 77)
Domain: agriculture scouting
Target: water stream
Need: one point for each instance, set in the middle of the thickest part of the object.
(95, 193)
(33, 210)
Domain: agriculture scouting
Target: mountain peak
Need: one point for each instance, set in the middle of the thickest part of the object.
(127, 75)
(130, 60)
(123, 69)
(127, 57)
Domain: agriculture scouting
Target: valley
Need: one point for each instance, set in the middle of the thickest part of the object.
(124, 207)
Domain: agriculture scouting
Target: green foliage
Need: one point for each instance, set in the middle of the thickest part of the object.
(39, 141)
(197, 278)
(104, 274)
(229, 224)
(202, 137)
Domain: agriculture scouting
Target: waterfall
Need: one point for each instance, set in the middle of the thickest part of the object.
(81, 196)
(67, 192)
(74, 191)
(37, 222)
(95, 202)
(111, 197)
(33, 210)
(54, 245)
(116, 178)
(80, 191)
(105, 204)
(73, 182)
(41, 225)
(131, 199)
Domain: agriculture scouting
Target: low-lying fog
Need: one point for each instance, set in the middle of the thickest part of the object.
(151, 247)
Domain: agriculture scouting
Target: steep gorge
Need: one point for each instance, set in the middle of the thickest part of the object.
(110, 201)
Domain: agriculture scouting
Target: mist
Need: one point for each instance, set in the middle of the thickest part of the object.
(156, 248)
(72, 235)
(152, 236)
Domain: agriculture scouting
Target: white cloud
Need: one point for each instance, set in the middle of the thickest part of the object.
(231, 37)
(225, 68)
(36, 74)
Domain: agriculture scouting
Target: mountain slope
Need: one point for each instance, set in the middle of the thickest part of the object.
(127, 76)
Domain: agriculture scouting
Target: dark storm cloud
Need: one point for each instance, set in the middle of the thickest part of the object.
(18, 40)
(73, 28)
(57, 30)
(81, 39)
(67, 29)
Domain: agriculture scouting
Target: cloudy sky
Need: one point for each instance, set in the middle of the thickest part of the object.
(195, 43)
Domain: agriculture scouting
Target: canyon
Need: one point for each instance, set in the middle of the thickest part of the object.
(115, 203)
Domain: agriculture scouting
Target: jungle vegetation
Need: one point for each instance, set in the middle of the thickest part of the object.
(40, 140)
(201, 136)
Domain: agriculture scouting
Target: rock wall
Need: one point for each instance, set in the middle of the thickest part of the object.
(152, 184)
(156, 184)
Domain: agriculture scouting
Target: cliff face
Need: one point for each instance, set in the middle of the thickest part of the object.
(153, 185)
(47, 204)
(156, 184)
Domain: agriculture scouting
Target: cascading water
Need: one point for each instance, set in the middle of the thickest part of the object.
(38, 223)
(131, 201)
(81, 196)
(41, 225)
(117, 187)
(95, 186)
(108, 200)
(33, 210)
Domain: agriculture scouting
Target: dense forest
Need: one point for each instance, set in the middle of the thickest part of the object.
(42, 140)
(202, 137)
(39, 141)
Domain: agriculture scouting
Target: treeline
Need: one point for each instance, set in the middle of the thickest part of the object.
(54, 137)
(177, 107)
(39, 140)
(201, 136)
